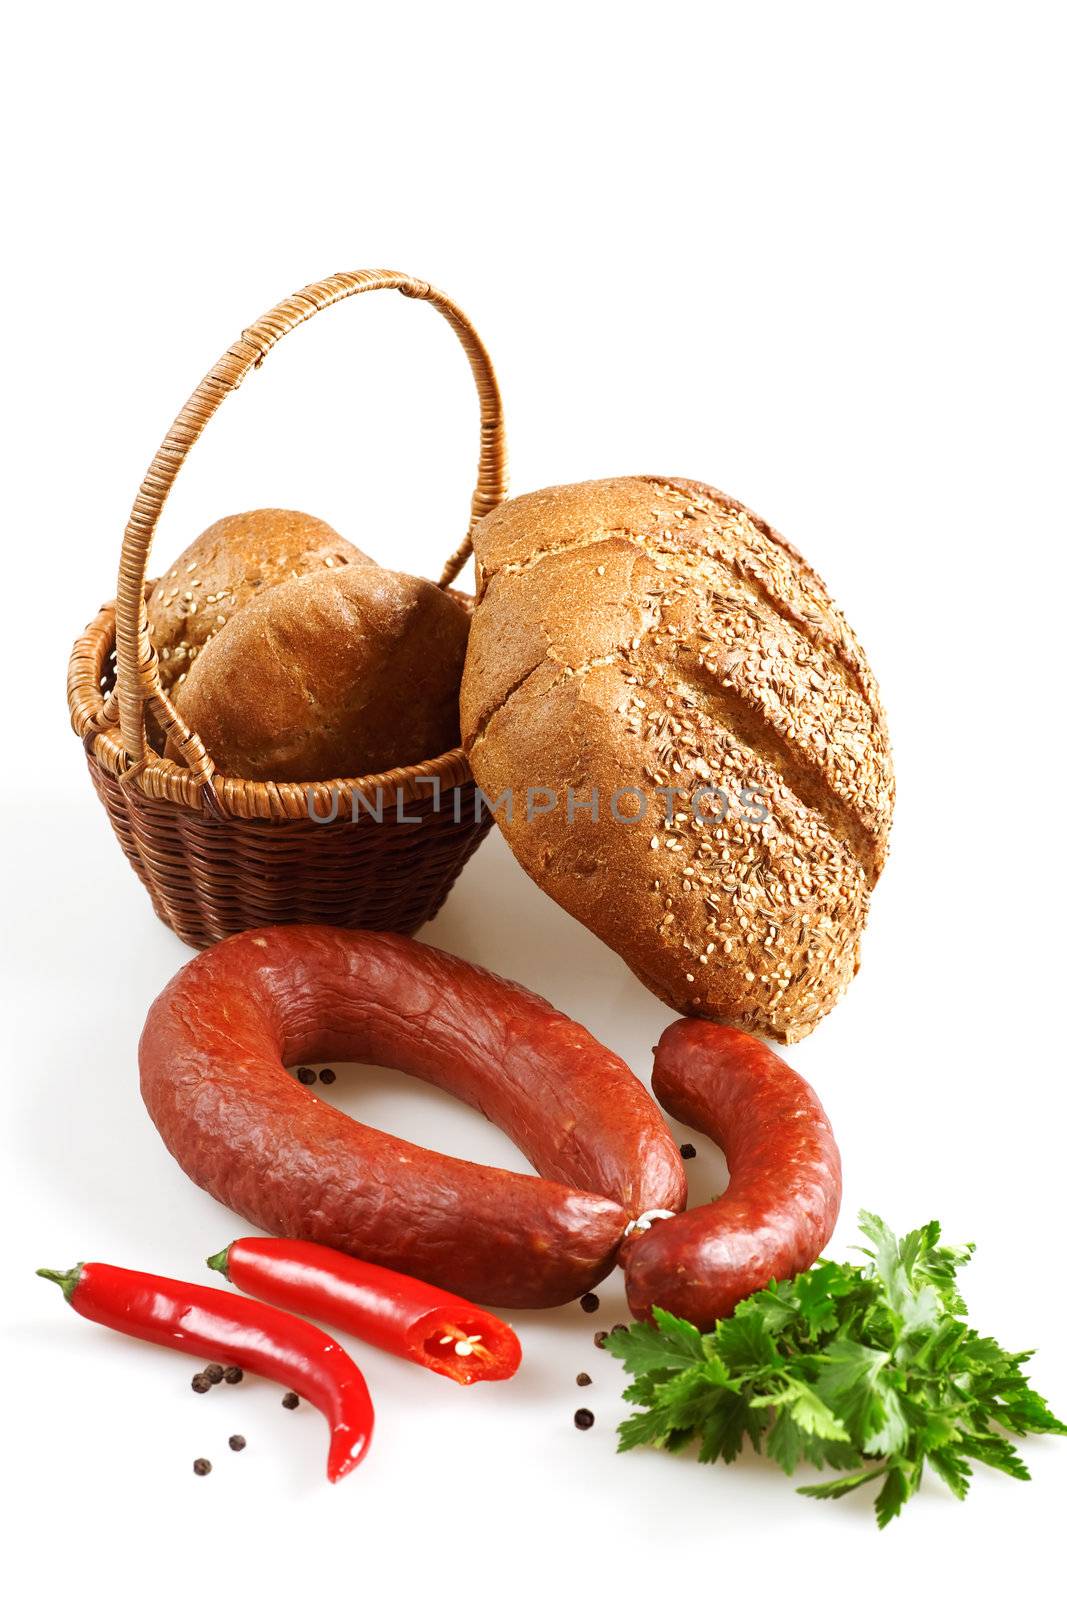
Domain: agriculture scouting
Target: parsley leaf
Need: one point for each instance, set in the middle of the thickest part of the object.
(671, 1345)
(744, 1342)
(854, 1385)
(870, 1370)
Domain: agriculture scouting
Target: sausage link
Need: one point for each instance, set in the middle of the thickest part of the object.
(780, 1205)
(212, 1058)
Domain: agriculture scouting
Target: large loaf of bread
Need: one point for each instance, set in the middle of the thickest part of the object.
(691, 739)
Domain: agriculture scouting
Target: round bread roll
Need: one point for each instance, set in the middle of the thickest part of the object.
(654, 641)
(231, 562)
(336, 675)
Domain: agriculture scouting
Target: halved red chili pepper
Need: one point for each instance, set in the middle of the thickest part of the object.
(397, 1313)
(223, 1327)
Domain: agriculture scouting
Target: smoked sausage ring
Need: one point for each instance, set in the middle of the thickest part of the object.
(213, 1056)
(780, 1205)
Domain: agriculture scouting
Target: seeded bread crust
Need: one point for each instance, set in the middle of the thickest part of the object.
(642, 632)
(338, 674)
(231, 562)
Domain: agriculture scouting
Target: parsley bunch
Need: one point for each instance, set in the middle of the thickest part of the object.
(868, 1370)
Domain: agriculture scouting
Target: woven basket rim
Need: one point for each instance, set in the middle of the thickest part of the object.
(93, 716)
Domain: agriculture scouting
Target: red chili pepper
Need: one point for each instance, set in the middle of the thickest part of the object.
(225, 1328)
(399, 1314)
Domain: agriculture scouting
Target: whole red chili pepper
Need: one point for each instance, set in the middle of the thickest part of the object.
(399, 1314)
(225, 1328)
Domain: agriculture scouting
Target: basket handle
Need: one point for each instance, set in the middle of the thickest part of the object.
(137, 671)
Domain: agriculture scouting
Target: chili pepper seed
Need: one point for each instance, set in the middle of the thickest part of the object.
(290, 1401)
(201, 1382)
(590, 1302)
(687, 1151)
(306, 1074)
(201, 1467)
(214, 1373)
(237, 1441)
(583, 1419)
(327, 1075)
(583, 1380)
(233, 1374)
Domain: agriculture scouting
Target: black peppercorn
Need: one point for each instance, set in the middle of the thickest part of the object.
(290, 1401)
(214, 1373)
(590, 1302)
(306, 1074)
(201, 1382)
(237, 1441)
(620, 1327)
(687, 1151)
(583, 1380)
(201, 1467)
(583, 1419)
(598, 1338)
(233, 1375)
(327, 1075)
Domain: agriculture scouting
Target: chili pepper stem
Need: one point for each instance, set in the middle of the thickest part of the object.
(220, 1262)
(68, 1281)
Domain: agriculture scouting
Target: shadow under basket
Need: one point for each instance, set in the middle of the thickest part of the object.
(220, 854)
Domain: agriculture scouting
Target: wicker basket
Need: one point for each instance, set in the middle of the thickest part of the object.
(219, 854)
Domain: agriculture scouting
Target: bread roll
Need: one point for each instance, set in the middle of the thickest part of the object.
(232, 561)
(335, 675)
(644, 632)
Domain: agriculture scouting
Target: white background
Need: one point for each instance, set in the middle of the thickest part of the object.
(811, 254)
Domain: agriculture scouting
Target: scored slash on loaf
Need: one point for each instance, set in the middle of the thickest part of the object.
(649, 633)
